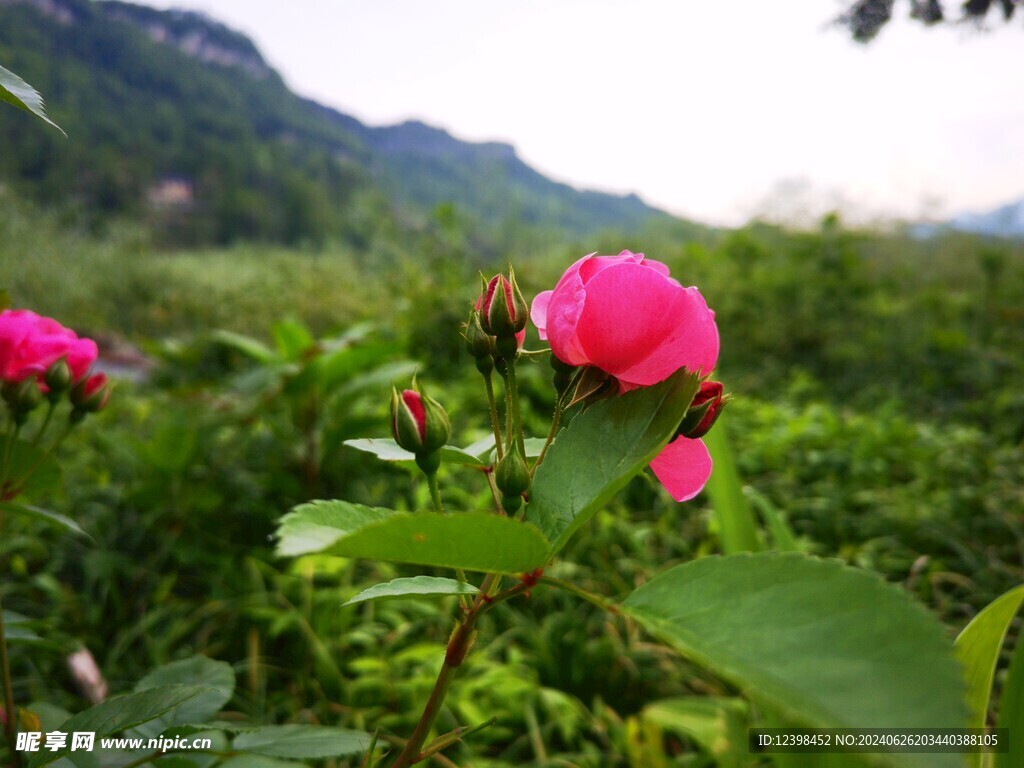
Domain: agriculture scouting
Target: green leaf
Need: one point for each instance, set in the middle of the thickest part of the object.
(978, 646)
(737, 525)
(30, 470)
(120, 713)
(54, 518)
(1011, 709)
(483, 448)
(719, 725)
(217, 677)
(337, 366)
(18, 93)
(302, 741)
(812, 641)
(315, 526)
(386, 449)
(247, 345)
(292, 338)
(417, 586)
(782, 537)
(17, 631)
(475, 541)
(601, 450)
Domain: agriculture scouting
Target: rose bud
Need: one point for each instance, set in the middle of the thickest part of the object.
(89, 395)
(704, 410)
(512, 477)
(504, 313)
(58, 379)
(22, 398)
(418, 422)
(479, 343)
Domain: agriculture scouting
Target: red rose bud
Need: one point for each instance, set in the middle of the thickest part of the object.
(90, 395)
(418, 422)
(704, 410)
(503, 309)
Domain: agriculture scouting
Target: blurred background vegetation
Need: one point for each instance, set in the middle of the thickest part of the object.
(257, 320)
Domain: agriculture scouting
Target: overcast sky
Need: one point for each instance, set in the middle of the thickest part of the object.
(712, 110)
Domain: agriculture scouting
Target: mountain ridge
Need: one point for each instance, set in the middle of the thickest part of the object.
(151, 95)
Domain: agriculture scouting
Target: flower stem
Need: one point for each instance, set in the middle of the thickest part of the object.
(556, 420)
(435, 495)
(517, 418)
(12, 437)
(9, 711)
(493, 405)
(44, 425)
(494, 492)
(435, 492)
(458, 647)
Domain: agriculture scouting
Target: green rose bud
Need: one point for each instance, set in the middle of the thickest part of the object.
(512, 476)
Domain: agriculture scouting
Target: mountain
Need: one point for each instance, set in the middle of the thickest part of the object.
(1005, 221)
(176, 120)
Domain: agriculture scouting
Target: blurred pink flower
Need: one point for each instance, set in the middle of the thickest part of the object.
(626, 316)
(31, 343)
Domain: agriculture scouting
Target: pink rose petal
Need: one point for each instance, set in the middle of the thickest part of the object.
(683, 467)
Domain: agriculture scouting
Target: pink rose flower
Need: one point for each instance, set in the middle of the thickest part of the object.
(30, 343)
(624, 315)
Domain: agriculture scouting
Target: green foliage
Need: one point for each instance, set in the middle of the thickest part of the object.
(28, 469)
(719, 725)
(475, 541)
(1011, 707)
(301, 741)
(736, 522)
(118, 714)
(386, 449)
(600, 451)
(415, 586)
(215, 677)
(978, 649)
(810, 641)
(20, 94)
(886, 434)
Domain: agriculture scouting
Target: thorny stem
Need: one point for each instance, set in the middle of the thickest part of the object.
(435, 492)
(493, 405)
(458, 647)
(494, 491)
(517, 419)
(9, 711)
(435, 496)
(555, 421)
